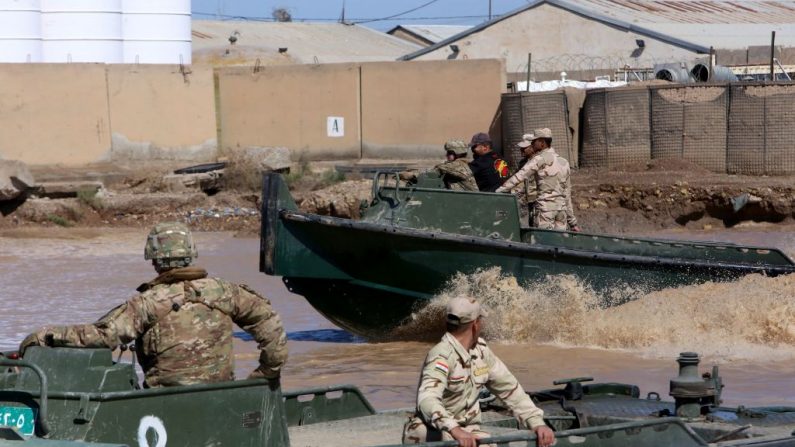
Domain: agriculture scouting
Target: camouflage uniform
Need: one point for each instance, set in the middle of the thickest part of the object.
(548, 176)
(450, 382)
(457, 175)
(181, 321)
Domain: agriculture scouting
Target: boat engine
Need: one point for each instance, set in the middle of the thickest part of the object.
(694, 394)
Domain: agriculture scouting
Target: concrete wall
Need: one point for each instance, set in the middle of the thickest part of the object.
(54, 113)
(409, 109)
(565, 41)
(291, 106)
(75, 114)
(157, 112)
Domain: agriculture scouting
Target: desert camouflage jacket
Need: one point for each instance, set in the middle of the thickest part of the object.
(452, 378)
(457, 175)
(548, 179)
(183, 331)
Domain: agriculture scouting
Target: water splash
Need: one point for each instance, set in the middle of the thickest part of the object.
(753, 317)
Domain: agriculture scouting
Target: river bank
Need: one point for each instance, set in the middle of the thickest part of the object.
(634, 199)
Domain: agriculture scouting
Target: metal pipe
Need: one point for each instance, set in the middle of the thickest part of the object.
(702, 73)
(44, 426)
(529, 64)
(772, 55)
(786, 75)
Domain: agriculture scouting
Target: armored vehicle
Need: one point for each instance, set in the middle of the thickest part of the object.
(67, 397)
(369, 275)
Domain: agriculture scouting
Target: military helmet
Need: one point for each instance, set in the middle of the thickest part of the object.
(170, 244)
(457, 146)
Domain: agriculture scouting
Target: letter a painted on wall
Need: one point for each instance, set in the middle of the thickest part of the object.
(335, 126)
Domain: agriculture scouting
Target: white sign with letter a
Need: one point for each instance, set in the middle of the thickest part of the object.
(335, 126)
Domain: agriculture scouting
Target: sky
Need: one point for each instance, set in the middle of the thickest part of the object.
(379, 14)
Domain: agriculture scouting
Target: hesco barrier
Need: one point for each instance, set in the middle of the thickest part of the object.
(690, 123)
(762, 129)
(616, 128)
(522, 112)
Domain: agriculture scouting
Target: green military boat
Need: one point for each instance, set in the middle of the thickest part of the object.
(369, 275)
(67, 397)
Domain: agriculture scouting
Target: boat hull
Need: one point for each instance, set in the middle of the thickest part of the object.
(369, 277)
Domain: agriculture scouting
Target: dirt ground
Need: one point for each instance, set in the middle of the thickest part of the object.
(630, 199)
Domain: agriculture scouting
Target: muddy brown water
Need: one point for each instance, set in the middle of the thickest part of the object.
(747, 327)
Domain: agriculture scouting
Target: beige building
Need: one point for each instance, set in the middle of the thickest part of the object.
(231, 42)
(586, 38)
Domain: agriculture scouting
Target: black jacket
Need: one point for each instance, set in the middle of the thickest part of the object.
(490, 171)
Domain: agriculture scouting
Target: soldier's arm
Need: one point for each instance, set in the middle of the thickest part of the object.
(459, 171)
(254, 314)
(527, 170)
(433, 382)
(121, 325)
(505, 386)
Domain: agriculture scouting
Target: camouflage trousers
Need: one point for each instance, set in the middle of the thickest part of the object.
(415, 431)
(550, 220)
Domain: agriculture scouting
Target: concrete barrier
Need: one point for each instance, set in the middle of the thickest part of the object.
(54, 113)
(409, 109)
(159, 112)
(311, 109)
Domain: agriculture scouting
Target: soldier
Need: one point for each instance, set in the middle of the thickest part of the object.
(455, 172)
(452, 376)
(549, 175)
(181, 321)
(489, 169)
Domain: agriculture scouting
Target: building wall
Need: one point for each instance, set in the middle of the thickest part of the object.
(54, 113)
(291, 106)
(158, 112)
(560, 40)
(409, 109)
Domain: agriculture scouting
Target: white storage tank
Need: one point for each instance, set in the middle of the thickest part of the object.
(20, 31)
(81, 31)
(157, 31)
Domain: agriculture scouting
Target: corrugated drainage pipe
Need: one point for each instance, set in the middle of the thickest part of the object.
(673, 74)
(701, 73)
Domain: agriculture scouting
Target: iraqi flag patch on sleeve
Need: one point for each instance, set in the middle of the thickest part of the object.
(441, 367)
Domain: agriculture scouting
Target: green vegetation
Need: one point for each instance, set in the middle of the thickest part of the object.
(89, 197)
(60, 221)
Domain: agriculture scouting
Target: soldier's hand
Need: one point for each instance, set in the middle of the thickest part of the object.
(38, 338)
(262, 373)
(544, 436)
(576, 228)
(464, 438)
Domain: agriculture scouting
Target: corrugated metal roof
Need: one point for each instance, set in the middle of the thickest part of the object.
(695, 11)
(432, 33)
(691, 24)
(305, 42)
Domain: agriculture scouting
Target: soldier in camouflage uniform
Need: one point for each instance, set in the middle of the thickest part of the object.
(452, 376)
(455, 171)
(181, 321)
(548, 174)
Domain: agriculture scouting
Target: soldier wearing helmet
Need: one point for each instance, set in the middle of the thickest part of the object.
(181, 321)
(454, 172)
